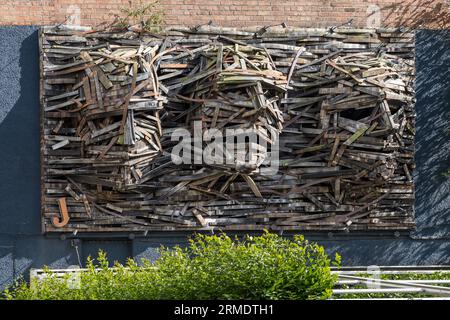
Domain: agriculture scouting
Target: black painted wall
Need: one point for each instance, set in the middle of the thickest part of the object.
(22, 246)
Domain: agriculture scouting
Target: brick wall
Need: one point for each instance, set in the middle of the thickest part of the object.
(302, 13)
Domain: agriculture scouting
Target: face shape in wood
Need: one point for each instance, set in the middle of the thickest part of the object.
(237, 117)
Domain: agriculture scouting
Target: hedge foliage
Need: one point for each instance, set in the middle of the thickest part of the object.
(211, 267)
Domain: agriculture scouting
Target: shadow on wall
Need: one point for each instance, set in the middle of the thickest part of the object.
(21, 244)
(19, 132)
(417, 14)
(389, 251)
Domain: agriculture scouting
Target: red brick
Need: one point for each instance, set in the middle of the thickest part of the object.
(305, 13)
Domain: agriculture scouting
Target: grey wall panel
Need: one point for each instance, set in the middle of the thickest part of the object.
(390, 251)
(19, 131)
(36, 251)
(6, 265)
(433, 133)
(118, 250)
(23, 247)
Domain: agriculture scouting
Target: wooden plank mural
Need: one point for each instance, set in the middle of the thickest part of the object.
(332, 110)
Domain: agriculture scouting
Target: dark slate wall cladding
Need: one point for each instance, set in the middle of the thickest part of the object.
(433, 133)
(23, 247)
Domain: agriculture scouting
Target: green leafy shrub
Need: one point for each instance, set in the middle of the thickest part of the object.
(211, 267)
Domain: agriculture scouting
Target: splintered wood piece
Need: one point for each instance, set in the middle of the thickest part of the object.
(337, 189)
(173, 65)
(87, 207)
(72, 193)
(60, 144)
(407, 173)
(333, 151)
(314, 200)
(199, 217)
(252, 185)
(355, 136)
(98, 90)
(387, 116)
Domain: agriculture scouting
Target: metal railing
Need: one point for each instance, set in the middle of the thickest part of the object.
(351, 283)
